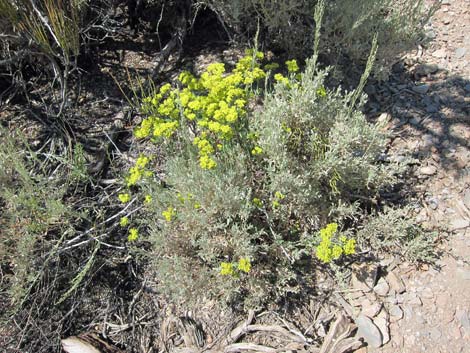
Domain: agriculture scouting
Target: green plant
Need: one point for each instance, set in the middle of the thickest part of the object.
(240, 182)
(347, 31)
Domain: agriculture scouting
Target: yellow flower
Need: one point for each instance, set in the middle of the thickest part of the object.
(124, 221)
(281, 79)
(133, 234)
(207, 163)
(227, 269)
(321, 92)
(124, 198)
(244, 265)
(257, 202)
(349, 247)
(292, 65)
(147, 199)
(256, 151)
(169, 214)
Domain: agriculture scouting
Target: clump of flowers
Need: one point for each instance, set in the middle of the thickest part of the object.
(133, 234)
(332, 246)
(235, 268)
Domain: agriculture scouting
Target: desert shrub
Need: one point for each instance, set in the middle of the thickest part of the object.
(394, 231)
(244, 200)
(32, 210)
(348, 28)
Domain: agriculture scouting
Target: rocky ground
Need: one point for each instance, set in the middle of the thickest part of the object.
(427, 101)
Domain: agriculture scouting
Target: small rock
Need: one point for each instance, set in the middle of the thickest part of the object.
(382, 287)
(384, 118)
(369, 308)
(414, 121)
(440, 53)
(424, 70)
(432, 108)
(421, 89)
(395, 313)
(460, 52)
(463, 318)
(381, 321)
(364, 277)
(396, 283)
(414, 300)
(459, 223)
(368, 330)
(433, 203)
(428, 170)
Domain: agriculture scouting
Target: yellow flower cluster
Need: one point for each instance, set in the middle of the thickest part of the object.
(138, 171)
(216, 101)
(169, 214)
(233, 269)
(331, 249)
(278, 196)
(133, 234)
(292, 66)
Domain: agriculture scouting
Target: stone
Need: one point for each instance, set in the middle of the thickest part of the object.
(432, 108)
(395, 313)
(440, 53)
(461, 315)
(459, 223)
(421, 89)
(382, 287)
(460, 52)
(370, 309)
(396, 283)
(425, 69)
(369, 331)
(428, 170)
(414, 300)
(384, 118)
(382, 322)
(364, 276)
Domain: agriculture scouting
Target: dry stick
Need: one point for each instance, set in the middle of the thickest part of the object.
(104, 222)
(238, 347)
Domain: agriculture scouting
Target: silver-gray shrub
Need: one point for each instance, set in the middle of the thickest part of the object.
(319, 152)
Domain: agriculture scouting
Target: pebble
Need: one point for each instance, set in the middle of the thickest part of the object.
(421, 89)
(382, 323)
(463, 318)
(425, 69)
(369, 308)
(460, 52)
(396, 283)
(440, 53)
(395, 313)
(368, 330)
(414, 300)
(382, 287)
(428, 170)
(432, 108)
(364, 277)
(459, 223)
